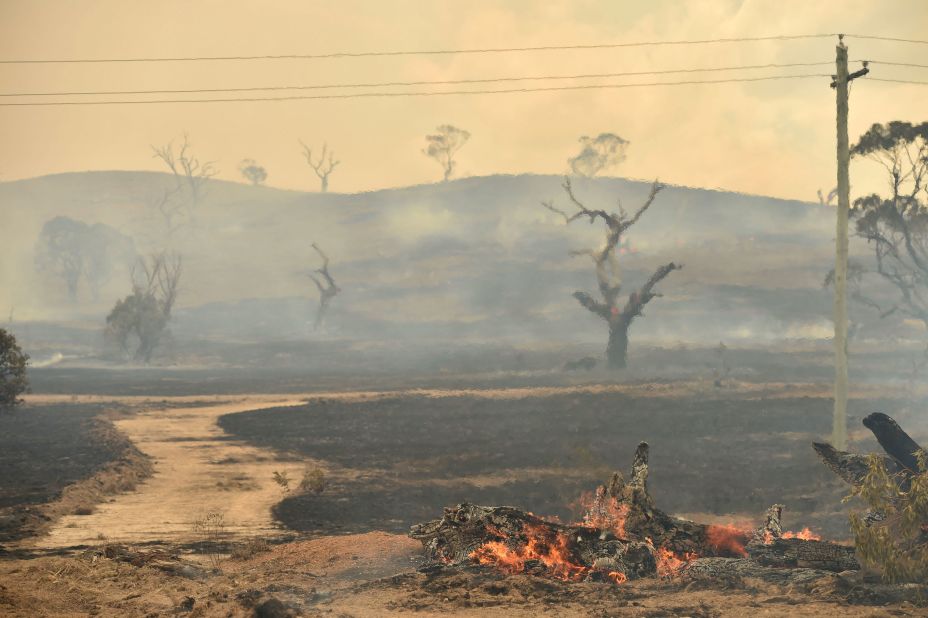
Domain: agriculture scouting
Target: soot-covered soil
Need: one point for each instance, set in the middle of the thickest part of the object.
(45, 449)
(397, 460)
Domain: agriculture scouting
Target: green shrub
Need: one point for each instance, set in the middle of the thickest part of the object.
(313, 481)
(897, 542)
(13, 379)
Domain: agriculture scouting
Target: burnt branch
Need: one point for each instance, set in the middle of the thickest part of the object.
(637, 300)
(326, 292)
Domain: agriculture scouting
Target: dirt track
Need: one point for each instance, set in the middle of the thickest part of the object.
(197, 470)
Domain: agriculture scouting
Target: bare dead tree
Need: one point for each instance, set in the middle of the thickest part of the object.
(172, 210)
(190, 174)
(608, 273)
(444, 145)
(324, 166)
(326, 292)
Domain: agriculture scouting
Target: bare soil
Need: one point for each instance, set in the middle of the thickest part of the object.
(60, 459)
(372, 575)
(197, 471)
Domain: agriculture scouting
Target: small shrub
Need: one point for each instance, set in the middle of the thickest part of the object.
(13, 380)
(896, 543)
(282, 479)
(313, 481)
(212, 526)
(250, 549)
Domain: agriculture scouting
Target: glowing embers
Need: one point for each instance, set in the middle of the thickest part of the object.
(532, 544)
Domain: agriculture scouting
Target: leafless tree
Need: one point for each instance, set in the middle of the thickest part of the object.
(328, 291)
(324, 166)
(170, 207)
(141, 318)
(598, 153)
(444, 145)
(190, 174)
(829, 199)
(608, 274)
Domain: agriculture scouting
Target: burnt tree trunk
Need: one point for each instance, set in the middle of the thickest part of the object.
(617, 348)
(902, 452)
(894, 440)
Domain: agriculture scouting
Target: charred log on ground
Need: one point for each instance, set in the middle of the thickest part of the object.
(622, 536)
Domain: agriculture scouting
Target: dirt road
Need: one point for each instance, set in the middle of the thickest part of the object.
(198, 470)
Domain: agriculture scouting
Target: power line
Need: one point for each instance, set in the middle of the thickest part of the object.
(432, 52)
(885, 38)
(416, 83)
(358, 95)
(896, 81)
(898, 64)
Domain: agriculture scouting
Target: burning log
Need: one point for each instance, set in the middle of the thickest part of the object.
(622, 536)
(773, 547)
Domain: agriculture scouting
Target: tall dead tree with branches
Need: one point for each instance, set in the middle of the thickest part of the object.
(608, 274)
(176, 204)
(324, 166)
(327, 291)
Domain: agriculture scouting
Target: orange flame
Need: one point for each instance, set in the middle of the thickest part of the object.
(607, 514)
(804, 534)
(618, 577)
(727, 538)
(670, 564)
(554, 552)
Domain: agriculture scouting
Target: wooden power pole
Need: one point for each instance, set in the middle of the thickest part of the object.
(840, 84)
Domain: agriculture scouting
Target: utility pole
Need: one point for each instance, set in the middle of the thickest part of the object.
(840, 83)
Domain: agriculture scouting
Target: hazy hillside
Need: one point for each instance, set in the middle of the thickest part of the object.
(475, 259)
